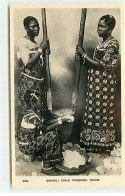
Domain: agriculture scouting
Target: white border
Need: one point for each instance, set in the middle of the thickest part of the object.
(40, 181)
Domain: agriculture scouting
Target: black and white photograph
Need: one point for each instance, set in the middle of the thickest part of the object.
(65, 74)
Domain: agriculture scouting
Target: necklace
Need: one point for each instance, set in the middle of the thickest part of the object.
(106, 40)
(101, 43)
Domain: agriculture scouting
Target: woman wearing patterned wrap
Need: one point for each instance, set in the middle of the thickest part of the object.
(98, 125)
(29, 54)
(37, 134)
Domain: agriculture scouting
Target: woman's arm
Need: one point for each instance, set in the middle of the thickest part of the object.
(49, 122)
(31, 61)
(52, 126)
(109, 59)
(56, 122)
(48, 127)
(44, 45)
(24, 52)
(91, 61)
(65, 118)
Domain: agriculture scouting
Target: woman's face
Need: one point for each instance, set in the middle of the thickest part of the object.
(33, 28)
(103, 29)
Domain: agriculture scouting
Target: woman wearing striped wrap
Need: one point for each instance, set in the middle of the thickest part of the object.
(38, 135)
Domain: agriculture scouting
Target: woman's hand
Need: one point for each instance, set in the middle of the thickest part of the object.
(48, 51)
(67, 118)
(80, 50)
(45, 44)
(77, 57)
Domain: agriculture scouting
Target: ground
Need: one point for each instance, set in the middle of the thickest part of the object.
(108, 165)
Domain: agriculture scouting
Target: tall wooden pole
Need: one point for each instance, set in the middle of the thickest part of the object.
(46, 62)
(78, 63)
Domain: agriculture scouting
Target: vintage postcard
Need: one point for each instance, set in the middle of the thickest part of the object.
(66, 81)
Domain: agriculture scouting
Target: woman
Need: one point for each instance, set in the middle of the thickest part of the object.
(37, 134)
(29, 54)
(98, 126)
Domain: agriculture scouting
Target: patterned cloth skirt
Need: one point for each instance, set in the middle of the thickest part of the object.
(26, 82)
(98, 124)
(48, 145)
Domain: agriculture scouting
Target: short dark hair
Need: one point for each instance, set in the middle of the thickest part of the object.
(31, 96)
(27, 20)
(109, 20)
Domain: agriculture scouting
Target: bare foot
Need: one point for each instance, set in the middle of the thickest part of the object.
(50, 172)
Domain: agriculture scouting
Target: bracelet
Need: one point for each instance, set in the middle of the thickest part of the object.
(59, 121)
(84, 55)
(40, 50)
(41, 132)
